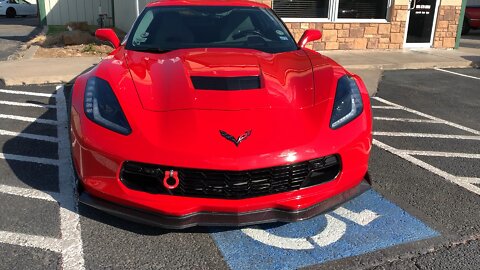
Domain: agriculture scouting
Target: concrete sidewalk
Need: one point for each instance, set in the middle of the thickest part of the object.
(406, 59)
(368, 64)
(44, 70)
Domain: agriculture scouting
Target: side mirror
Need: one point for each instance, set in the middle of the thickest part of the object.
(107, 34)
(309, 36)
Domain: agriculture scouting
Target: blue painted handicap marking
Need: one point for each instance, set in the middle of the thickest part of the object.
(363, 225)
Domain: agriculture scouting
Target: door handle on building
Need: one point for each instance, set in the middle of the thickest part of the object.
(414, 4)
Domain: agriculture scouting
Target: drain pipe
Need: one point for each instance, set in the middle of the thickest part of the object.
(460, 24)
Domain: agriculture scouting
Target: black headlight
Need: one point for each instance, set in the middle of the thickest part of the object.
(348, 102)
(102, 107)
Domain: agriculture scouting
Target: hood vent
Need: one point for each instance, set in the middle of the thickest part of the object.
(226, 83)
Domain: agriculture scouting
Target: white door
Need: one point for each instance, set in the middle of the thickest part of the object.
(421, 22)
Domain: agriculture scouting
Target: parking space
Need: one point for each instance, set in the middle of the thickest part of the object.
(422, 211)
(36, 183)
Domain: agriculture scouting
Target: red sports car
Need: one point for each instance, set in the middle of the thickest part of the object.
(209, 113)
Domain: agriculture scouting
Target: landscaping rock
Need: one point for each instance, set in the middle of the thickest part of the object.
(77, 37)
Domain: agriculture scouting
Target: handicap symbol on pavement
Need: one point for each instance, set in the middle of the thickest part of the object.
(333, 231)
(365, 224)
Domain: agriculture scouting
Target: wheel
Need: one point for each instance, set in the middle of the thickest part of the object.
(466, 27)
(11, 13)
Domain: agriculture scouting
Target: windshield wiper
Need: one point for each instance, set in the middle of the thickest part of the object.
(152, 50)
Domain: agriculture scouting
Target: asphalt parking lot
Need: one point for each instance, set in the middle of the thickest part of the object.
(14, 32)
(421, 214)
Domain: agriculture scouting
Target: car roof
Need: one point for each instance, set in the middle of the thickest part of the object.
(239, 3)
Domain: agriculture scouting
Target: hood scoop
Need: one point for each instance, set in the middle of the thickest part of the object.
(221, 79)
(226, 83)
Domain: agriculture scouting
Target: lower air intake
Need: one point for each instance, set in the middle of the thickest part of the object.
(231, 184)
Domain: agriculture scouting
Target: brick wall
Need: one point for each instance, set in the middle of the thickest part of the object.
(390, 35)
(447, 26)
(358, 36)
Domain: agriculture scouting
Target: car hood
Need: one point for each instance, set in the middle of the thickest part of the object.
(164, 81)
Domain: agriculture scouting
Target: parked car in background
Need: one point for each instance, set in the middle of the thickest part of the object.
(472, 17)
(12, 8)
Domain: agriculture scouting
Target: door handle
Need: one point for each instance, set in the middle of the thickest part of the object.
(414, 4)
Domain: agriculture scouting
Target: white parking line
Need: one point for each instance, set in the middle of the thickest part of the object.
(460, 181)
(471, 130)
(440, 154)
(72, 250)
(28, 119)
(24, 104)
(459, 74)
(35, 94)
(45, 161)
(471, 180)
(409, 120)
(28, 136)
(34, 241)
(29, 193)
(426, 135)
(385, 107)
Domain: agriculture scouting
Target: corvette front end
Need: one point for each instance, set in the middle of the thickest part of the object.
(219, 136)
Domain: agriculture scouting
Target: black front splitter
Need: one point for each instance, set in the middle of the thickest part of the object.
(223, 218)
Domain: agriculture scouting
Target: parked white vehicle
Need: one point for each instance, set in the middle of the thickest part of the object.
(12, 8)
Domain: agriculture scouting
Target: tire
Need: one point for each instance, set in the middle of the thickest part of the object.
(466, 27)
(11, 12)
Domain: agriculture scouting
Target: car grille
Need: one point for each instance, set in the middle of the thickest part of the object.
(231, 184)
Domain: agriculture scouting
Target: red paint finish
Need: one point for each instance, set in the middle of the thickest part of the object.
(109, 35)
(175, 125)
(309, 36)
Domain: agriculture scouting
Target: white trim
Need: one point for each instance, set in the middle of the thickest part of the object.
(361, 21)
(434, 28)
(305, 20)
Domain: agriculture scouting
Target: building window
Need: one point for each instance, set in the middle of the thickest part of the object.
(332, 10)
(301, 8)
(362, 9)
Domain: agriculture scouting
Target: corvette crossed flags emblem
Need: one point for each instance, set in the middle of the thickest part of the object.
(234, 140)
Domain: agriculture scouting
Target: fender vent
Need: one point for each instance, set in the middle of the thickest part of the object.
(226, 83)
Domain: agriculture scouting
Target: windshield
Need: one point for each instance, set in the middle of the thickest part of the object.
(179, 27)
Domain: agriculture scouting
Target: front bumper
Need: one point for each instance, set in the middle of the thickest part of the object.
(223, 218)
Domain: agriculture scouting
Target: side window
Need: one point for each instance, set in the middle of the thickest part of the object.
(141, 34)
